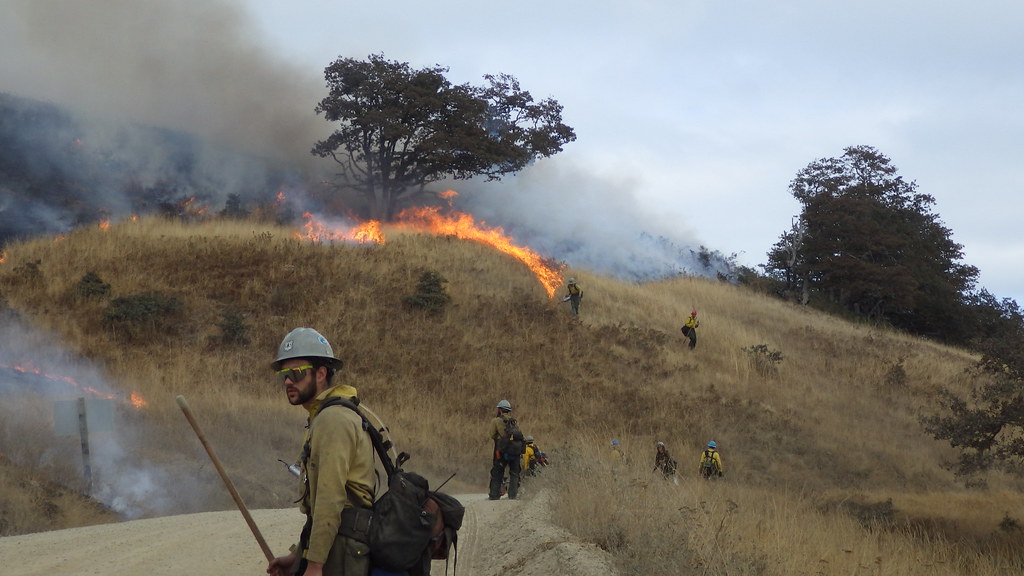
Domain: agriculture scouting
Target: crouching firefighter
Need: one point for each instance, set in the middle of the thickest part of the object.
(337, 461)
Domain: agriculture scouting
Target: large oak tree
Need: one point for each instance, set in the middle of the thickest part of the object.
(399, 128)
(867, 240)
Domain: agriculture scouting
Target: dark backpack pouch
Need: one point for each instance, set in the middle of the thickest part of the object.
(512, 443)
(396, 544)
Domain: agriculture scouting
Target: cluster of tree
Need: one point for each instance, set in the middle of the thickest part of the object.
(867, 242)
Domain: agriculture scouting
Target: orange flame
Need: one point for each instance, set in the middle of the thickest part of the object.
(135, 399)
(430, 220)
(3, 256)
(462, 225)
(317, 231)
(105, 224)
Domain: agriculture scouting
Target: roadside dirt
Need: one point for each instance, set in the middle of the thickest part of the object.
(498, 537)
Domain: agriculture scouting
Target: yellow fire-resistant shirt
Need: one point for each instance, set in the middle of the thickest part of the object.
(711, 454)
(529, 455)
(339, 469)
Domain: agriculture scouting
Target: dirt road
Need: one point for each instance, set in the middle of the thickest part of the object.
(502, 537)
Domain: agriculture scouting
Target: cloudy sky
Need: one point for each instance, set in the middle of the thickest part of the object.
(691, 116)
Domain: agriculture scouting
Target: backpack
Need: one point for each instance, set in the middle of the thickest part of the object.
(512, 442)
(409, 524)
(670, 466)
(707, 466)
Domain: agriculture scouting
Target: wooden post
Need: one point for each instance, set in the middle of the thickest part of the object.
(83, 433)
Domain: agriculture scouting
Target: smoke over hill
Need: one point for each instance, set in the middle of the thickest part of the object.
(116, 109)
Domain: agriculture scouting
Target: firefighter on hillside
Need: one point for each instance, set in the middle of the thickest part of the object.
(690, 329)
(575, 294)
(711, 462)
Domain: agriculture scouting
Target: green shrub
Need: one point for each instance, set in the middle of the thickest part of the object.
(28, 272)
(139, 315)
(92, 286)
(430, 293)
(1008, 524)
(896, 376)
(764, 360)
(232, 328)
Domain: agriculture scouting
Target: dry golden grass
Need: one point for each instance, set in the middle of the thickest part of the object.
(809, 442)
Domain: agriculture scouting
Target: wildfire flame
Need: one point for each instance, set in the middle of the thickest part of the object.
(430, 220)
(3, 256)
(189, 206)
(462, 225)
(105, 224)
(317, 231)
(135, 399)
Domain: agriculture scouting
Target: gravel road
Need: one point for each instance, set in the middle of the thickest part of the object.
(502, 537)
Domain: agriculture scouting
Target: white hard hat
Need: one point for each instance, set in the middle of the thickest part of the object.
(305, 343)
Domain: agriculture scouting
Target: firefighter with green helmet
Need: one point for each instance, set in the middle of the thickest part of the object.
(574, 296)
(336, 462)
(507, 452)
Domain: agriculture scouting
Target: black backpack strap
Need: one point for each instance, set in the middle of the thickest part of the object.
(380, 445)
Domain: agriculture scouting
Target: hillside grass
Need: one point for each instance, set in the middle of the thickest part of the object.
(827, 468)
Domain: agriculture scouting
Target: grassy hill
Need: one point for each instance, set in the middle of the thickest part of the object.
(827, 468)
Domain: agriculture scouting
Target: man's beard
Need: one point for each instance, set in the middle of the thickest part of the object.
(305, 394)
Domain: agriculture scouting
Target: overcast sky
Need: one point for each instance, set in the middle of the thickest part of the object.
(691, 116)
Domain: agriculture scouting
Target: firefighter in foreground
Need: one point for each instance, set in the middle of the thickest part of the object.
(336, 461)
(711, 462)
(507, 453)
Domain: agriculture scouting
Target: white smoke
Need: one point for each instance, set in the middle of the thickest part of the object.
(36, 373)
(586, 221)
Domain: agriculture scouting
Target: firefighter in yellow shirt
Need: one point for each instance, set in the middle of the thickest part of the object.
(690, 329)
(530, 462)
(711, 462)
(575, 294)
